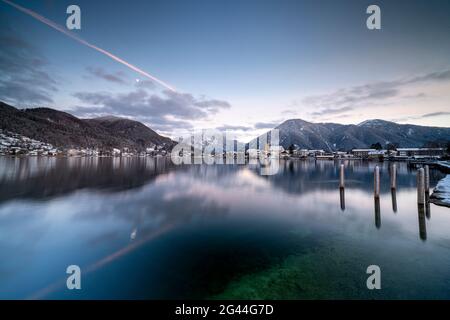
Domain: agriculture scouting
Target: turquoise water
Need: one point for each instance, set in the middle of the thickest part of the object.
(142, 228)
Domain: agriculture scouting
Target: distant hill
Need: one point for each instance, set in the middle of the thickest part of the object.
(333, 136)
(64, 130)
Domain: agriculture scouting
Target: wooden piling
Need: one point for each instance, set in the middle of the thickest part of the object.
(377, 213)
(422, 223)
(376, 182)
(341, 177)
(342, 198)
(421, 186)
(394, 176)
(427, 178)
(394, 200)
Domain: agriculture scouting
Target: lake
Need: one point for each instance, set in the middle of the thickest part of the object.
(143, 228)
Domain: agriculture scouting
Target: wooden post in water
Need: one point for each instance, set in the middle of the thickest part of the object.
(394, 176)
(394, 200)
(427, 178)
(377, 213)
(421, 186)
(422, 223)
(341, 177)
(376, 182)
(427, 192)
(342, 198)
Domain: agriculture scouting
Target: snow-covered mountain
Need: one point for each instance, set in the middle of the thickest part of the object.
(333, 136)
(64, 130)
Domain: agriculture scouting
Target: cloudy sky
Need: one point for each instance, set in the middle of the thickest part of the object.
(242, 65)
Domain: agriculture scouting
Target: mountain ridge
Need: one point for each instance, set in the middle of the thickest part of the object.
(64, 130)
(343, 137)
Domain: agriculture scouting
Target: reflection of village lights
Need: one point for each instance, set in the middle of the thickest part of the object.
(133, 234)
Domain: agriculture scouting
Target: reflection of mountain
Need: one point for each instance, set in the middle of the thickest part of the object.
(333, 136)
(65, 130)
(38, 178)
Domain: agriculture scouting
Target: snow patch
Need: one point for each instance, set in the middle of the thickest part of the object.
(445, 164)
(441, 194)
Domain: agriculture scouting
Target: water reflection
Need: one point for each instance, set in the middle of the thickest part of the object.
(169, 231)
(39, 177)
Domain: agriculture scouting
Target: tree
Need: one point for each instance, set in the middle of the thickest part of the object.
(376, 146)
(392, 146)
(433, 144)
(291, 149)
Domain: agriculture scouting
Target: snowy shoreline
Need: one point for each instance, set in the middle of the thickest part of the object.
(441, 194)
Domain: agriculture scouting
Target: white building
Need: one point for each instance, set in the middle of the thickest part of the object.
(420, 152)
(363, 153)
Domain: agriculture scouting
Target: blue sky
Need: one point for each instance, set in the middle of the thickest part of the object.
(245, 65)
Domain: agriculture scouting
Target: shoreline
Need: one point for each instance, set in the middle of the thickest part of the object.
(441, 193)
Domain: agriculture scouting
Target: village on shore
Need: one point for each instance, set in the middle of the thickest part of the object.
(14, 144)
(369, 154)
(18, 145)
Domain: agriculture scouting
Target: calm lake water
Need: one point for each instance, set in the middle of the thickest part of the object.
(142, 228)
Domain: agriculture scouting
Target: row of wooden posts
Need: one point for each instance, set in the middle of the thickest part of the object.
(423, 195)
(423, 181)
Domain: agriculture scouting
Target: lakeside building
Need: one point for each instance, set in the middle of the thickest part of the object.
(369, 153)
(362, 153)
(421, 152)
(276, 150)
(342, 155)
(253, 153)
(325, 156)
(300, 152)
(377, 154)
(307, 153)
(315, 153)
